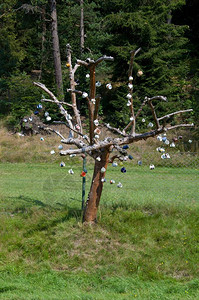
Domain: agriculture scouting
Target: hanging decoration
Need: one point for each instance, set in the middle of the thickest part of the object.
(71, 171)
(172, 145)
(129, 96)
(98, 84)
(109, 86)
(39, 106)
(96, 122)
(83, 174)
(123, 170)
(152, 167)
(119, 185)
(165, 156)
(125, 147)
(159, 138)
(130, 85)
(139, 73)
(84, 95)
(103, 170)
(112, 181)
(48, 118)
(150, 124)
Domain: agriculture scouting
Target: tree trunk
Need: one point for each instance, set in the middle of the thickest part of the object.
(43, 39)
(90, 210)
(56, 50)
(82, 27)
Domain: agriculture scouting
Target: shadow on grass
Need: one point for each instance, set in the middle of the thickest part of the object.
(7, 289)
(48, 216)
(44, 218)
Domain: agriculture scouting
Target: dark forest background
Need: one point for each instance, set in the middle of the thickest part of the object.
(166, 30)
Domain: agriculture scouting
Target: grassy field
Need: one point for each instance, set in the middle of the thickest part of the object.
(145, 245)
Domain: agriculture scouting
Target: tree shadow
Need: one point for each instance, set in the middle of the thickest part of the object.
(7, 289)
(60, 213)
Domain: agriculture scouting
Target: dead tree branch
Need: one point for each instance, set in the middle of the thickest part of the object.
(180, 125)
(72, 86)
(60, 102)
(174, 113)
(52, 130)
(74, 130)
(55, 100)
(115, 130)
(154, 113)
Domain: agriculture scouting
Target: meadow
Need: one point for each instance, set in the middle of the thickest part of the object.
(145, 245)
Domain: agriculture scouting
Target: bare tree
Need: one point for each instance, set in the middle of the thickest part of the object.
(91, 144)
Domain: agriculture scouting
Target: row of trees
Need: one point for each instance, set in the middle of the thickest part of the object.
(34, 34)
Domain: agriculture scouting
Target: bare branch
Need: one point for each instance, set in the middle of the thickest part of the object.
(115, 130)
(158, 98)
(74, 130)
(103, 58)
(130, 71)
(117, 142)
(144, 103)
(179, 125)
(60, 102)
(52, 130)
(98, 98)
(120, 150)
(62, 109)
(75, 68)
(72, 86)
(154, 114)
(87, 149)
(82, 63)
(77, 142)
(137, 51)
(174, 113)
(141, 108)
(75, 91)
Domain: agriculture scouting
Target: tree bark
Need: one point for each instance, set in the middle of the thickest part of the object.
(56, 50)
(91, 208)
(43, 38)
(82, 27)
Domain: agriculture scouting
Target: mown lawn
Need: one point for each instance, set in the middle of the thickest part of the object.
(145, 245)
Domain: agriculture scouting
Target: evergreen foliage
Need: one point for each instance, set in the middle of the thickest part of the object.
(166, 31)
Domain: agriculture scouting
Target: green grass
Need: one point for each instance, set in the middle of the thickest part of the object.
(145, 245)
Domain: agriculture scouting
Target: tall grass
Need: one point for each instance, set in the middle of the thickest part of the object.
(15, 148)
